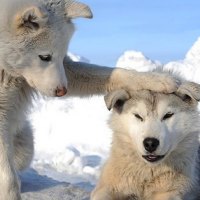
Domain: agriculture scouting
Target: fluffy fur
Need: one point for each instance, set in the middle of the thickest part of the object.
(132, 172)
(34, 37)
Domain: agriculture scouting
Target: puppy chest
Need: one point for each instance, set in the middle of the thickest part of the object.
(143, 184)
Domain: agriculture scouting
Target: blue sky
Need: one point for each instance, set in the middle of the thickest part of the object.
(162, 30)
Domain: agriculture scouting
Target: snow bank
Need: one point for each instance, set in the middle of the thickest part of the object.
(136, 60)
(190, 66)
(71, 138)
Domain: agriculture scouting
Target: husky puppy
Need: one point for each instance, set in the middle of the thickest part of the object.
(154, 153)
(34, 38)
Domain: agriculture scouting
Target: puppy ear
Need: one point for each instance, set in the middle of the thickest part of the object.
(189, 92)
(116, 99)
(31, 18)
(76, 9)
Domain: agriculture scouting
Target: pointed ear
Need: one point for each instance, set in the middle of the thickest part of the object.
(76, 9)
(31, 18)
(116, 99)
(189, 92)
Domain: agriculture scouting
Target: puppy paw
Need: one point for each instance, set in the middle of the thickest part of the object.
(161, 83)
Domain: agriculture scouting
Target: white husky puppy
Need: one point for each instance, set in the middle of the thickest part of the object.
(34, 37)
(154, 154)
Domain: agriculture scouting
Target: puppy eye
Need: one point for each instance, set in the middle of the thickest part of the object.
(167, 116)
(46, 58)
(139, 117)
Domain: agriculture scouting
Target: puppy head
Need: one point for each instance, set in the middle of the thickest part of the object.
(154, 125)
(36, 41)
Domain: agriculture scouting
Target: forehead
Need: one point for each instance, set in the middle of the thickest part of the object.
(48, 37)
(56, 32)
(149, 102)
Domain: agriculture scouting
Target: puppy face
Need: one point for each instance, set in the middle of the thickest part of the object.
(154, 124)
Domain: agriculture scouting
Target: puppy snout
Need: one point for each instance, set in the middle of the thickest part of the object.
(151, 144)
(61, 91)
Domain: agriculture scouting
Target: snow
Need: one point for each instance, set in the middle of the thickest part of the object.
(190, 66)
(72, 138)
(77, 58)
(136, 60)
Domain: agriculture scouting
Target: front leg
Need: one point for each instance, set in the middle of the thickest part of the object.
(101, 193)
(9, 183)
(88, 79)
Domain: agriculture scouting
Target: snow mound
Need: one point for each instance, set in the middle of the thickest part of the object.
(136, 60)
(193, 55)
(189, 67)
(71, 138)
(78, 58)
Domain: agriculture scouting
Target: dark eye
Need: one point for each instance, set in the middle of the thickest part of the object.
(167, 116)
(139, 117)
(46, 58)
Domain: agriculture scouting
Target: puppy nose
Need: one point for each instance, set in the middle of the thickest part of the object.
(151, 144)
(61, 91)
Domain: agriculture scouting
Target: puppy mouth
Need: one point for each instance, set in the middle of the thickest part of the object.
(153, 158)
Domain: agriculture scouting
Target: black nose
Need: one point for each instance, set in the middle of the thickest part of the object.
(151, 144)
